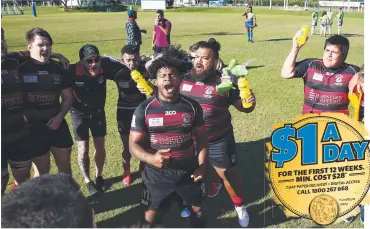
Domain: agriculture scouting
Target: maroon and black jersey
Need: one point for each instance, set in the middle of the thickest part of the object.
(42, 85)
(129, 96)
(13, 125)
(90, 91)
(169, 125)
(325, 90)
(215, 107)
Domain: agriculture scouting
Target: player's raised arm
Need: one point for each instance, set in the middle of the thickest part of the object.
(290, 62)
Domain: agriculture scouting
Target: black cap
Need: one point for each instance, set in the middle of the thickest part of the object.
(129, 49)
(87, 51)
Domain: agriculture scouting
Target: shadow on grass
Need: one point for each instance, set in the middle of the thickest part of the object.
(221, 34)
(251, 160)
(253, 67)
(116, 199)
(279, 39)
(352, 35)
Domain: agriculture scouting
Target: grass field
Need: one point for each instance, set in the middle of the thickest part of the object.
(278, 100)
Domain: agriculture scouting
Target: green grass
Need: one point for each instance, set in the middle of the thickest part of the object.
(278, 100)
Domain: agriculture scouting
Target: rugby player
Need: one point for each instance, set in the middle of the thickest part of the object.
(161, 135)
(14, 127)
(13, 103)
(324, 22)
(200, 85)
(129, 97)
(340, 19)
(44, 81)
(326, 80)
(315, 17)
(330, 16)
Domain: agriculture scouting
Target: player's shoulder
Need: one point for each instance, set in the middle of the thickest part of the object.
(27, 64)
(351, 68)
(189, 101)
(10, 63)
(313, 61)
(56, 66)
(145, 104)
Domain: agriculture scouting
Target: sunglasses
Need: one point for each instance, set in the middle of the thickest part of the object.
(95, 60)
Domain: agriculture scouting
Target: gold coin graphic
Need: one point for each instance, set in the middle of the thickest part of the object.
(324, 209)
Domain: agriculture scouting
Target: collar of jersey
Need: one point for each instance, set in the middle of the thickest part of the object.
(165, 103)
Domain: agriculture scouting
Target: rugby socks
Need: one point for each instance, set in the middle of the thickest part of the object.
(338, 30)
(251, 36)
(329, 30)
(237, 201)
(312, 30)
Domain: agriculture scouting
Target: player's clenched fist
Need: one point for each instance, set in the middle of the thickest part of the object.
(159, 159)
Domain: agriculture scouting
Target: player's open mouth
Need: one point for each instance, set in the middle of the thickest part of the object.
(44, 54)
(199, 67)
(169, 88)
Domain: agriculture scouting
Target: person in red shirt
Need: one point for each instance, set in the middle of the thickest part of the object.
(325, 80)
(161, 33)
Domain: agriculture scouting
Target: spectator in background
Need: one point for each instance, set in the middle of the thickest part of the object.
(47, 201)
(161, 33)
(133, 30)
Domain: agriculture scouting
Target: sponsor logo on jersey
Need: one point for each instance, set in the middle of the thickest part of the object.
(30, 79)
(42, 72)
(187, 87)
(80, 84)
(100, 79)
(339, 80)
(208, 92)
(170, 112)
(153, 122)
(56, 79)
(318, 77)
(186, 119)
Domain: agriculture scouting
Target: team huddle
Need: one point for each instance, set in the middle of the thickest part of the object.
(182, 133)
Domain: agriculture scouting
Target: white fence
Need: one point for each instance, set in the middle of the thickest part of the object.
(344, 4)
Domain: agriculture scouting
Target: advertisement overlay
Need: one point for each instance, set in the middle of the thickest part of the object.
(319, 166)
